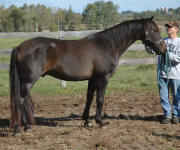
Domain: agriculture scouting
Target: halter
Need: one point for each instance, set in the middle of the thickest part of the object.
(147, 39)
(148, 49)
(165, 64)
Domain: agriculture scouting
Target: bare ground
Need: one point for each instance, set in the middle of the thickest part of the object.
(133, 124)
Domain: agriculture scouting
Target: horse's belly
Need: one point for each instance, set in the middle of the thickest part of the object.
(78, 73)
(74, 72)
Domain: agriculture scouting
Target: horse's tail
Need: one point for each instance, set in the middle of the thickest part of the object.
(14, 90)
(22, 110)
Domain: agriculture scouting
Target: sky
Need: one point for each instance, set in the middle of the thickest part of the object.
(79, 5)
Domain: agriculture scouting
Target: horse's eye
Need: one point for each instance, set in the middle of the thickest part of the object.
(156, 30)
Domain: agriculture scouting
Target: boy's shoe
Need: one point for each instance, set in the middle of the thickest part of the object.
(175, 120)
(165, 120)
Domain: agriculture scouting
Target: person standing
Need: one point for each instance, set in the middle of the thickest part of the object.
(171, 114)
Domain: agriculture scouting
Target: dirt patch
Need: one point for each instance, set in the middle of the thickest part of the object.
(133, 123)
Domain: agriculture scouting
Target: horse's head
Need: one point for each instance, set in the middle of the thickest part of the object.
(152, 38)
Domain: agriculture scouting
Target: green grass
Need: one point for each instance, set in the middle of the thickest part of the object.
(126, 79)
(4, 83)
(4, 58)
(73, 38)
(133, 78)
(136, 54)
(10, 43)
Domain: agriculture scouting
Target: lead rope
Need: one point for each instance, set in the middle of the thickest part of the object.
(165, 66)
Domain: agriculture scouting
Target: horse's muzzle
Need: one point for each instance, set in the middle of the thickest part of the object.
(162, 48)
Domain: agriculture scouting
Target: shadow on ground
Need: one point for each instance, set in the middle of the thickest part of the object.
(4, 123)
(51, 121)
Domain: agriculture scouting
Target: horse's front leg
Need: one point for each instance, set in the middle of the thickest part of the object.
(101, 87)
(90, 95)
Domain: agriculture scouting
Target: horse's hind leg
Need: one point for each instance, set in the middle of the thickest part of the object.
(90, 95)
(27, 106)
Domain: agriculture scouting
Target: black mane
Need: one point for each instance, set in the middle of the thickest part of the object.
(125, 31)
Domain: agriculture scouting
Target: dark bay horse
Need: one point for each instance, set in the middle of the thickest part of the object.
(93, 58)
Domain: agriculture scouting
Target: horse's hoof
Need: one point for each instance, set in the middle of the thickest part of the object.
(87, 124)
(28, 127)
(17, 132)
(102, 124)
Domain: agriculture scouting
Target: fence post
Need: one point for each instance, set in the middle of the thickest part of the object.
(61, 37)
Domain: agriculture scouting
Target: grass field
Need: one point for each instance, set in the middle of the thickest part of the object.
(4, 58)
(127, 78)
(10, 43)
(136, 55)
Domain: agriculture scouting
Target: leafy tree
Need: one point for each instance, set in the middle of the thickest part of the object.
(98, 15)
(69, 18)
(101, 13)
(89, 15)
(17, 19)
(60, 18)
(110, 14)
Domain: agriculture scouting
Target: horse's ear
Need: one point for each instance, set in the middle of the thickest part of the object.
(151, 19)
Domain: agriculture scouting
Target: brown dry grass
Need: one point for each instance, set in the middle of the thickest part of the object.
(133, 125)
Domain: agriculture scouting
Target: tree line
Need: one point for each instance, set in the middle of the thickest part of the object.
(98, 15)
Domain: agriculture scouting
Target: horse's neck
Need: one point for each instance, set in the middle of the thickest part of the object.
(126, 42)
